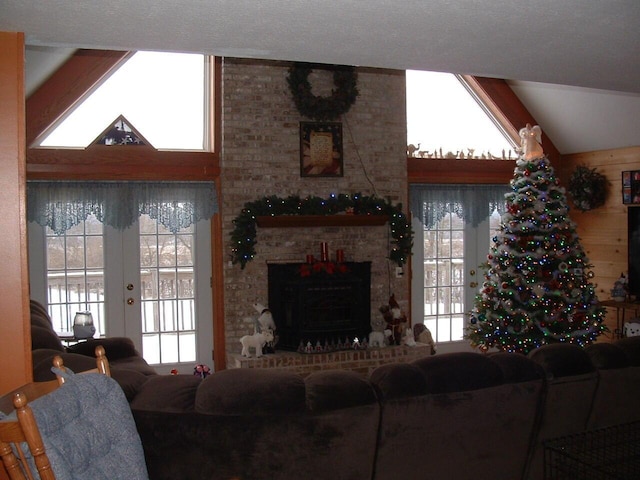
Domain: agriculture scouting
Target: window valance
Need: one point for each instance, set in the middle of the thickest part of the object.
(61, 205)
(473, 203)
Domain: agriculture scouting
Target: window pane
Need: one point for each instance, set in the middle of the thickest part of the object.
(168, 292)
(164, 101)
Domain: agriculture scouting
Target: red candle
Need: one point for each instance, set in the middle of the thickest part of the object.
(324, 252)
(339, 255)
(309, 259)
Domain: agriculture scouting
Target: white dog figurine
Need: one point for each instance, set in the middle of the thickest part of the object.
(265, 320)
(632, 329)
(378, 339)
(256, 341)
(408, 338)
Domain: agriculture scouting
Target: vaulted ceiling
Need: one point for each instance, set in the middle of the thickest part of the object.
(574, 63)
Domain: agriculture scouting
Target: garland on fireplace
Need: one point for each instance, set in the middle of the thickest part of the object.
(323, 108)
(243, 236)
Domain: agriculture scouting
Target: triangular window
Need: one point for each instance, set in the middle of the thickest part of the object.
(162, 94)
(120, 132)
(445, 121)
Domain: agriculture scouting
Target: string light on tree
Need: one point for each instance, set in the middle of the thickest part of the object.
(537, 287)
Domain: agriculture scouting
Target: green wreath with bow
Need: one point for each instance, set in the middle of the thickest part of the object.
(319, 108)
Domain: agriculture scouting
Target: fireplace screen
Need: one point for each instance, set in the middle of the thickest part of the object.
(325, 311)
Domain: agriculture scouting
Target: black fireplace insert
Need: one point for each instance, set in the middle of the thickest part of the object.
(321, 308)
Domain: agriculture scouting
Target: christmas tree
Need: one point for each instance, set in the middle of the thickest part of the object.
(537, 287)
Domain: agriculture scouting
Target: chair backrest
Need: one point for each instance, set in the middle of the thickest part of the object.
(102, 365)
(24, 444)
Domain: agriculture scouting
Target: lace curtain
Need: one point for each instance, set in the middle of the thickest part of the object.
(472, 203)
(176, 205)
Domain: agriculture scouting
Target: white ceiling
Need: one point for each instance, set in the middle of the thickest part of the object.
(592, 44)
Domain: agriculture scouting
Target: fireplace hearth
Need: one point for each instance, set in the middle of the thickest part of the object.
(316, 311)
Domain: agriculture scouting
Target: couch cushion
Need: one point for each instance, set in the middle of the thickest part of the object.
(517, 368)
(399, 380)
(167, 393)
(115, 348)
(41, 320)
(631, 348)
(129, 380)
(606, 356)
(562, 360)
(43, 361)
(251, 390)
(42, 337)
(459, 372)
(336, 389)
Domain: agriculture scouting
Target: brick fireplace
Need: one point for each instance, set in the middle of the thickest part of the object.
(326, 311)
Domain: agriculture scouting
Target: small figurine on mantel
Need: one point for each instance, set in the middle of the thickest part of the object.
(620, 289)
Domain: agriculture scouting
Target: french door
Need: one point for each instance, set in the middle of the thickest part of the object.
(446, 277)
(144, 282)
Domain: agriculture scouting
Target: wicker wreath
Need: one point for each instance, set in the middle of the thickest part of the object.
(323, 108)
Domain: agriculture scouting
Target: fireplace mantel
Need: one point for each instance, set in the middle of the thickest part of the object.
(290, 221)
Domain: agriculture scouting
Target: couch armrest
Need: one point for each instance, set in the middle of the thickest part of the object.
(115, 347)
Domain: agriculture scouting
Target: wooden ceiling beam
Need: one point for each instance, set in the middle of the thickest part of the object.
(84, 70)
(497, 94)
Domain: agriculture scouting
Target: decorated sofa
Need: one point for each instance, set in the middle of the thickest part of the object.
(450, 416)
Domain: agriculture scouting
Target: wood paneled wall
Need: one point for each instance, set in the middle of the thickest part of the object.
(603, 231)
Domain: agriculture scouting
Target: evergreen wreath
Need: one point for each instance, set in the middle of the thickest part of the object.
(323, 108)
(588, 188)
(243, 236)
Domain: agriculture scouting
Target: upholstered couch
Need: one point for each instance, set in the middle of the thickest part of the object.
(450, 416)
(128, 368)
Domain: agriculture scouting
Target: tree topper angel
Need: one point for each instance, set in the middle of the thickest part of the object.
(531, 140)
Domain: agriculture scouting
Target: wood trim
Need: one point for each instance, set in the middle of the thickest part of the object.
(77, 76)
(15, 336)
(428, 170)
(219, 335)
(497, 92)
(120, 162)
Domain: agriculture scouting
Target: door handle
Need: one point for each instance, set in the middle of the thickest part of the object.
(473, 284)
(129, 286)
(130, 301)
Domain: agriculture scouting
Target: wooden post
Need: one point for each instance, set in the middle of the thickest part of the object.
(15, 334)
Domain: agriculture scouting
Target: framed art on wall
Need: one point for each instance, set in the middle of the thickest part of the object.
(321, 149)
(631, 187)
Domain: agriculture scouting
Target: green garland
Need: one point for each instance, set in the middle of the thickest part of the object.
(588, 189)
(323, 108)
(243, 236)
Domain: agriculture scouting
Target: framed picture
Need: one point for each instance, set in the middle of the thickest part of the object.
(631, 187)
(321, 149)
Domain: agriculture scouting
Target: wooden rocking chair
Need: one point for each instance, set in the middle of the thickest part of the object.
(60, 402)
